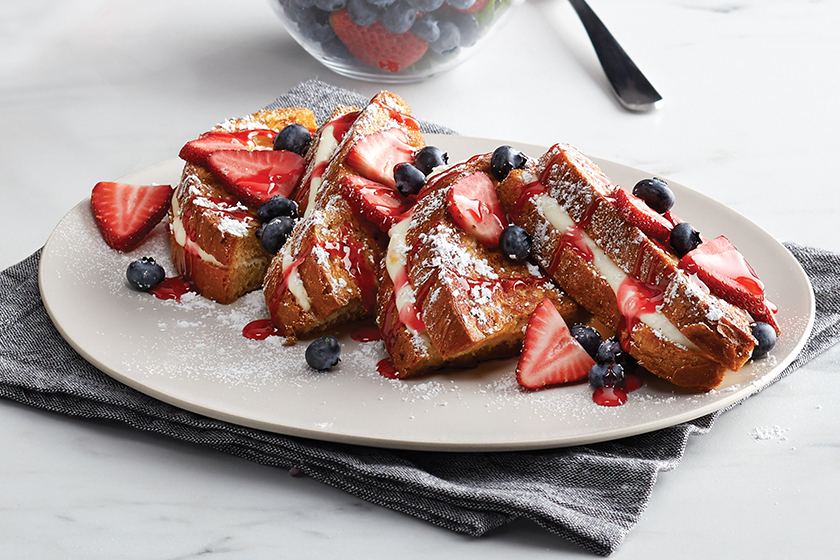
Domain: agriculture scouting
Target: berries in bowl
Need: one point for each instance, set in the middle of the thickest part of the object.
(393, 41)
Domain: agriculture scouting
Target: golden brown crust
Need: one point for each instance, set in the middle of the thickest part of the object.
(719, 332)
(337, 253)
(212, 233)
(474, 301)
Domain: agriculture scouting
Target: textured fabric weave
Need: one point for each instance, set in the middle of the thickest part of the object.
(591, 495)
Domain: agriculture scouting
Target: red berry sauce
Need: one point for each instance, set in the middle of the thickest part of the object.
(172, 288)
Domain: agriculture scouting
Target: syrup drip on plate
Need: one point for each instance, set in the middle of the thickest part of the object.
(260, 330)
(172, 288)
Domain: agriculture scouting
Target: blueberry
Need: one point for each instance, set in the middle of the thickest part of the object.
(273, 235)
(323, 353)
(275, 207)
(468, 28)
(312, 23)
(426, 159)
(409, 179)
(449, 40)
(398, 17)
(381, 3)
(608, 351)
(609, 374)
(684, 239)
(426, 5)
(294, 138)
(588, 337)
(766, 337)
(504, 160)
(515, 242)
(363, 13)
(330, 5)
(656, 193)
(144, 274)
(426, 28)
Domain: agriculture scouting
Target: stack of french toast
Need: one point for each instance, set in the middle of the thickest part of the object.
(421, 250)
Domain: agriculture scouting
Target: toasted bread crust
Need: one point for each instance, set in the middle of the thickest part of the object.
(337, 252)
(719, 333)
(474, 301)
(212, 232)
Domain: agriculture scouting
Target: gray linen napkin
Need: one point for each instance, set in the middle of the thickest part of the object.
(592, 495)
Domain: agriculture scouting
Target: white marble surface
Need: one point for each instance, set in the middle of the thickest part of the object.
(93, 90)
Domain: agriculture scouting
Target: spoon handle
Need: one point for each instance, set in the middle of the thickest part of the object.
(633, 90)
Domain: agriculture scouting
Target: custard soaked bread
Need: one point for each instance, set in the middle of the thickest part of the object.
(328, 271)
(448, 295)
(230, 171)
(612, 255)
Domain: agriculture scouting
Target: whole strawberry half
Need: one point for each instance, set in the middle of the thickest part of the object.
(729, 276)
(637, 212)
(379, 203)
(196, 151)
(376, 46)
(550, 354)
(475, 207)
(125, 214)
(257, 176)
(376, 155)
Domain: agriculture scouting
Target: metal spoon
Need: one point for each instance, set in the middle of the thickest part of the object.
(633, 90)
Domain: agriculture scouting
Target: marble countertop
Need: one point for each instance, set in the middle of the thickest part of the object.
(94, 90)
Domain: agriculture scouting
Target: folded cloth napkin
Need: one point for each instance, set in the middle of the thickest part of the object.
(591, 495)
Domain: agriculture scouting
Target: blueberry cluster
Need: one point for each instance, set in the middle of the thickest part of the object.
(446, 25)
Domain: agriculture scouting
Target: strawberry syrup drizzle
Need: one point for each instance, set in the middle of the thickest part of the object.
(406, 120)
(172, 288)
(260, 329)
(386, 369)
(366, 334)
(342, 124)
(572, 238)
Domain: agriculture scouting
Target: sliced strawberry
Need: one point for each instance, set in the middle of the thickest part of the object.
(474, 206)
(125, 214)
(380, 204)
(375, 156)
(257, 176)
(634, 210)
(728, 275)
(196, 151)
(376, 46)
(550, 354)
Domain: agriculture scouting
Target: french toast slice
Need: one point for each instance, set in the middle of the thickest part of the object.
(628, 280)
(212, 229)
(448, 297)
(328, 270)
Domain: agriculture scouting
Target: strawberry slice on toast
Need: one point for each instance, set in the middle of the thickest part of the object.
(257, 176)
(196, 151)
(380, 204)
(637, 212)
(550, 354)
(375, 156)
(125, 214)
(729, 276)
(475, 207)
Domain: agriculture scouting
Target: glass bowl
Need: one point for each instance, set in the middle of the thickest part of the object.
(392, 41)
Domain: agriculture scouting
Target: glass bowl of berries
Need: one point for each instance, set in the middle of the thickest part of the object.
(392, 41)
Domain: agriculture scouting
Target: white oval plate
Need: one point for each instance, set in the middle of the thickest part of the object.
(193, 354)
